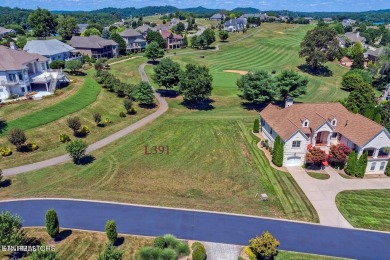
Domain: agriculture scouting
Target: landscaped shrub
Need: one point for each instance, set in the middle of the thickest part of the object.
(52, 224)
(5, 151)
(339, 153)
(350, 169)
(97, 118)
(362, 165)
(195, 244)
(171, 240)
(107, 121)
(249, 253)
(133, 111)
(64, 138)
(278, 152)
(74, 124)
(32, 147)
(264, 246)
(168, 254)
(111, 232)
(182, 249)
(159, 242)
(84, 130)
(199, 252)
(128, 104)
(58, 92)
(17, 137)
(122, 114)
(76, 150)
(316, 156)
(57, 64)
(387, 171)
(256, 126)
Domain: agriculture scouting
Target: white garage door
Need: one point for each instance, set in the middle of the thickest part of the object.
(294, 161)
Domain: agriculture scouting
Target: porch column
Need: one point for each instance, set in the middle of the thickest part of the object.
(313, 141)
(47, 87)
(328, 139)
(376, 152)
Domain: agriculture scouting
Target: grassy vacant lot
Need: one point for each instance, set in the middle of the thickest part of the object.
(87, 245)
(272, 46)
(46, 136)
(128, 70)
(85, 96)
(366, 208)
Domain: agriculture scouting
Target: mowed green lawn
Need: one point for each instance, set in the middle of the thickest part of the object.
(366, 208)
(272, 46)
(85, 96)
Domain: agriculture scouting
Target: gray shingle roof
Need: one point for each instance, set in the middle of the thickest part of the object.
(15, 59)
(47, 47)
(354, 37)
(377, 52)
(235, 22)
(90, 42)
(218, 16)
(129, 33)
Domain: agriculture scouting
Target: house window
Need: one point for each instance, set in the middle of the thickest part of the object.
(334, 135)
(43, 67)
(334, 122)
(271, 132)
(12, 77)
(373, 165)
(296, 144)
(382, 167)
(23, 89)
(306, 123)
(20, 75)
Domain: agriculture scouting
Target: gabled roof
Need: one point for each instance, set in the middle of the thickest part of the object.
(165, 33)
(90, 42)
(130, 33)
(354, 37)
(145, 28)
(16, 60)
(5, 30)
(47, 47)
(162, 27)
(377, 52)
(287, 121)
(235, 22)
(218, 16)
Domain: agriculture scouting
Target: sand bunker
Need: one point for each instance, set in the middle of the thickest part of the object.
(241, 72)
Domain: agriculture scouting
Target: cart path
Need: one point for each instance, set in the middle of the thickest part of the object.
(162, 108)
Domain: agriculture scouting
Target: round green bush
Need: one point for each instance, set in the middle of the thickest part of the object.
(5, 151)
(171, 240)
(122, 114)
(195, 244)
(133, 111)
(32, 146)
(183, 249)
(159, 242)
(199, 253)
(64, 138)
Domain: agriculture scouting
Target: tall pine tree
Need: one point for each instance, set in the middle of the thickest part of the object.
(351, 164)
(277, 155)
(362, 165)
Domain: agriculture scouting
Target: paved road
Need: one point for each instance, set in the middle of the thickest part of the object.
(205, 226)
(163, 107)
(322, 193)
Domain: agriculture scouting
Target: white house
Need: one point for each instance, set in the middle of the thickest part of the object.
(302, 126)
(52, 49)
(5, 31)
(235, 25)
(22, 72)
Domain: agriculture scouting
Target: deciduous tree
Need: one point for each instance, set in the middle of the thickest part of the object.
(223, 35)
(209, 36)
(76, 150)
(44, 255)
(67, 26)
(319, 46)
(363, 95)
(339, 153)
(42, 23)
(195, 83)
(153, 51)
(351, 164)
(11, 229)
(166, 73)
(351, 80)
(153, 36)
(74, 123)
(73, 65)
(122, 44)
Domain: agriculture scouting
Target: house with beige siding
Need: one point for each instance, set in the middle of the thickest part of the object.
(301, 126)
(95, 46)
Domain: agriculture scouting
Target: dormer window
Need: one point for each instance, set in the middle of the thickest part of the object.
(334, 122)
(306, 123)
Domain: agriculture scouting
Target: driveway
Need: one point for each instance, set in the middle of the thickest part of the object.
(322, 193)
(205, 226)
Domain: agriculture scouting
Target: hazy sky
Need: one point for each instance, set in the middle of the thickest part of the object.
(293, 5)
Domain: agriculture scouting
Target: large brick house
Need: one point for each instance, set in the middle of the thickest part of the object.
(302, 126)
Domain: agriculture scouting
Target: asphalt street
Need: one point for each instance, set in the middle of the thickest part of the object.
(205, 226)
